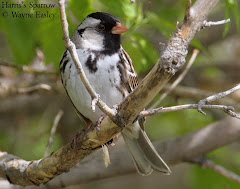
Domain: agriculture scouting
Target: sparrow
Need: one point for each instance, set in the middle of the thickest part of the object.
(110, 71)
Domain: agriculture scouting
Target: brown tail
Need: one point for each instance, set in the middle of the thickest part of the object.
(143, 152)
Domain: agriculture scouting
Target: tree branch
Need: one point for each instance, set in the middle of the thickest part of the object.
(202, 104)
(207, 163)
(53, 131)
(227, 109)
(12, 90)
(175, 150)
(198, 94)
(27, 69)
(216, 97)
(209, 23)
(178, 80)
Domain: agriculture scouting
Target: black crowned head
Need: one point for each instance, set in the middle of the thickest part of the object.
(99, 32)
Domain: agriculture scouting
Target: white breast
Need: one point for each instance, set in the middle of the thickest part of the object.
(104, 82)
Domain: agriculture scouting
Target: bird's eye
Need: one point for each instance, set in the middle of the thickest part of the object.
(81, 31)
(101, 27)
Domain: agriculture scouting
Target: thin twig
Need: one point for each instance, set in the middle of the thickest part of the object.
(178, 80)
(11, 90)
(27, 69)
(216, 97)
(207, 163)
(34, 88)
(53, 131)
(227, 109)
(72, 49)
(208, 24)
(198, 94)
(232, 113)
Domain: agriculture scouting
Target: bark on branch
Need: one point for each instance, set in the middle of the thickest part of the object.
(174, 151)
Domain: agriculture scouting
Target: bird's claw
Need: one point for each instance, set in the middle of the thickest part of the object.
(75, 139)
(97, 124)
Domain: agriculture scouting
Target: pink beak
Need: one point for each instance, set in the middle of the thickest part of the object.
(119, 28)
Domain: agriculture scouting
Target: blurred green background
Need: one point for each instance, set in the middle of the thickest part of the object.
(26, 120)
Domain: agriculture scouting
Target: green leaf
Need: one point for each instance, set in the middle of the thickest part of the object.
(141, 51)
(80, 9)
(163, 25)
(115, 7)
(227, 15)
(233, 6)
(24, 35)
(213, 73)
(236, 14)
(50, 39)
(198, 45)
(20, 34)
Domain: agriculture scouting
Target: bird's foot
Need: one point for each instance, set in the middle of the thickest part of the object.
(75, 139)
(97, 123)
(79, 133)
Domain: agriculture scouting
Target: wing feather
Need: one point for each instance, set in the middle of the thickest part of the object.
(129, 72)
